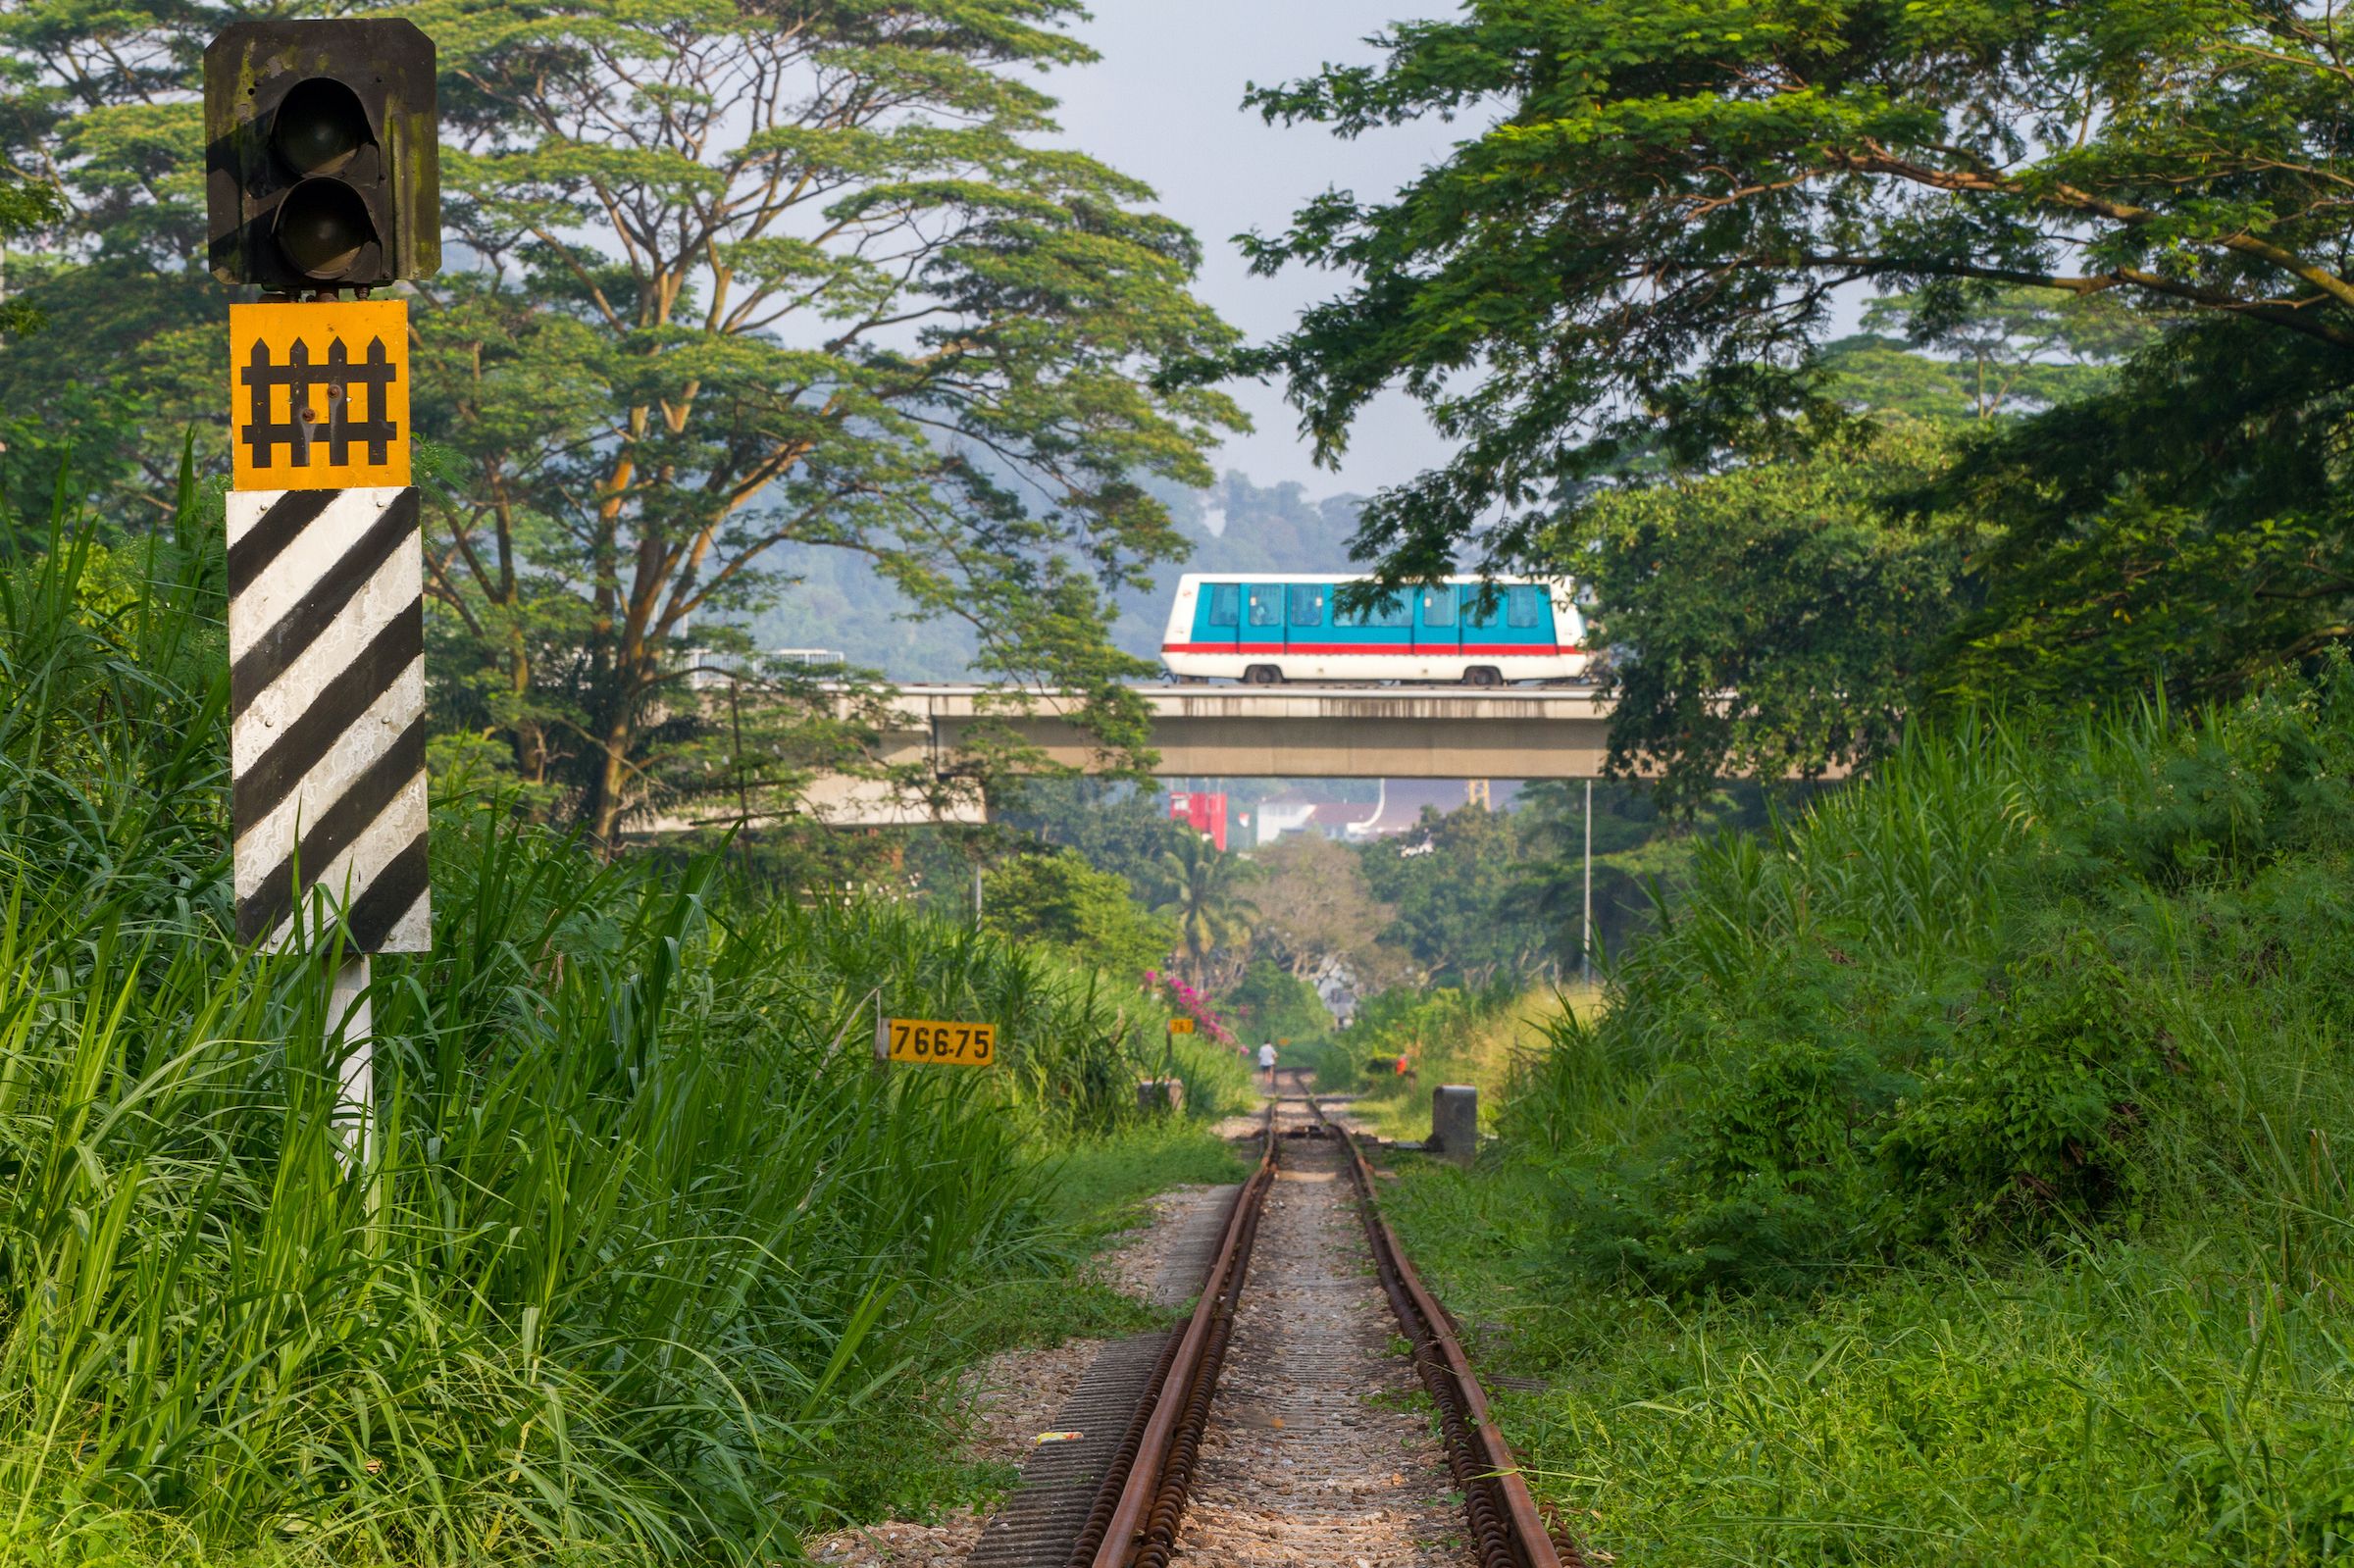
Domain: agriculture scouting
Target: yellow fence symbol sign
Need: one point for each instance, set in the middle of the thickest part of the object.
(318, 396)
(1181, 1025)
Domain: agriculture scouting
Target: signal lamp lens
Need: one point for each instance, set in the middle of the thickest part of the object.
(322, 228)
(319, 126)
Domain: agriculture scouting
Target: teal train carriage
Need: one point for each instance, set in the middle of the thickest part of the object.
(1264, 630)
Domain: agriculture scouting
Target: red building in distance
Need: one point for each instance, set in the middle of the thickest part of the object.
(1201, 810)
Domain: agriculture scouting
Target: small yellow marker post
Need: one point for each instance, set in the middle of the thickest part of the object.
(1181, 1025)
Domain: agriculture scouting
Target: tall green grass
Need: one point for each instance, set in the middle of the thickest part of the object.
(649, 1252)
(1958, 1175)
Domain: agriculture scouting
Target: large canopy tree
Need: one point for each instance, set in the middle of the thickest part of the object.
(735, 276)
(1642, 245)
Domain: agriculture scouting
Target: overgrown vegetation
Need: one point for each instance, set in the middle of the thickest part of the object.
(648, 1254)
(1961, 1174)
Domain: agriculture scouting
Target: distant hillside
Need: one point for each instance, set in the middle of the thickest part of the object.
(1236, 526)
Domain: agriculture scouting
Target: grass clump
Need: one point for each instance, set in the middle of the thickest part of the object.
(649, 1262)
(1446, 1036)
(1958, 1175)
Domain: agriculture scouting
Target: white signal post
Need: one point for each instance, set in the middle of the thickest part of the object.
(321, 181)
(347, 1016)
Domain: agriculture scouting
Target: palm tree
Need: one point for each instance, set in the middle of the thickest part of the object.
(1201, 887)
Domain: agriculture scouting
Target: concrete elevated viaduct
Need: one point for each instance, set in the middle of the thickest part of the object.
(1234, 731)
(1299, 732)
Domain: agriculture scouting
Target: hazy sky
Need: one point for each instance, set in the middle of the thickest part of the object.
(1164, 105)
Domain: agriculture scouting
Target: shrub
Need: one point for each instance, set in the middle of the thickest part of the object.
(1982, 991)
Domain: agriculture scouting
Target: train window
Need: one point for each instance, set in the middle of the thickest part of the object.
(1266, 606)
(1225, 603)
(1392, 611)
(1308, 604)
(1438, 607)
(1525, 606)
(1480, 610)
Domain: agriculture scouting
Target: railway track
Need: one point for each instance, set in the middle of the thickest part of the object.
(1139, 1501)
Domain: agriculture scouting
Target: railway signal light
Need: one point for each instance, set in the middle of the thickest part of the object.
(322, 168)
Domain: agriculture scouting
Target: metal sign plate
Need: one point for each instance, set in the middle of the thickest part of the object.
(318, 396)
(932, 1043)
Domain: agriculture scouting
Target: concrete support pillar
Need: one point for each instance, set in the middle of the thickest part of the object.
(1454, 1122)
(1157, 1096)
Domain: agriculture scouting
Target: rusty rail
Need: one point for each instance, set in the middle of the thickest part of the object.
(1134, 1523)
(1504, 1524)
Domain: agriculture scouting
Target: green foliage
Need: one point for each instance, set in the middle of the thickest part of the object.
(2174, 1399)
(1455, 882)
(1113, 825)
(1102, 1182)
(733, 284)
(1088, 916)
(2014, 350)
(1317, 914)
(1772, 620)
(1958, 1175)
(1201, 887)
(2185, 527)
(647, 1259)
(1640, 248)
(1270, 1004)
(23, 205)
(1990, 992)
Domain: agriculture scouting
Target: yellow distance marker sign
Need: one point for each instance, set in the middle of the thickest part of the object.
(318, 396)
(1181, 1025)
(934, 1043)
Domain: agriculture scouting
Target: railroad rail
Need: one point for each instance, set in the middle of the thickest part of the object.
(1506, 1528)
(1140, 1501)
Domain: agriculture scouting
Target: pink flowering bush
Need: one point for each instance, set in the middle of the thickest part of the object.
(1191, 1003)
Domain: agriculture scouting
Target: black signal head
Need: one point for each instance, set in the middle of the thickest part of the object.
(322, 166)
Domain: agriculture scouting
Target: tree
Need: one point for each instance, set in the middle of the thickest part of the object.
(1270, 1004)
(1114, 825)
(1452, 881)
(2185, 527)
(1642, 248)
(1770, 621)
(2019, 350)
(1642, 855)
(1201, 887)
(743, 275)
(1317, 913)
(1090, 916)
(23, 205)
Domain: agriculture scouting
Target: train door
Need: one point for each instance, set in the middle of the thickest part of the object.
(1306, 607)
(1262, 623)
(1438, 632)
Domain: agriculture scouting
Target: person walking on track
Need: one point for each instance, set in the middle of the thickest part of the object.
(1267, 1064)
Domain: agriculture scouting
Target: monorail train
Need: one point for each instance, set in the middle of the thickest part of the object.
(1283, 627)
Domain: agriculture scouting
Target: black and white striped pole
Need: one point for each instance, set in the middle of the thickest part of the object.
(326, 736)
(321, 181)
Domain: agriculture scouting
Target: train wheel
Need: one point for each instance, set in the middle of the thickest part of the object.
(1483, 675)
(1262, 675)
